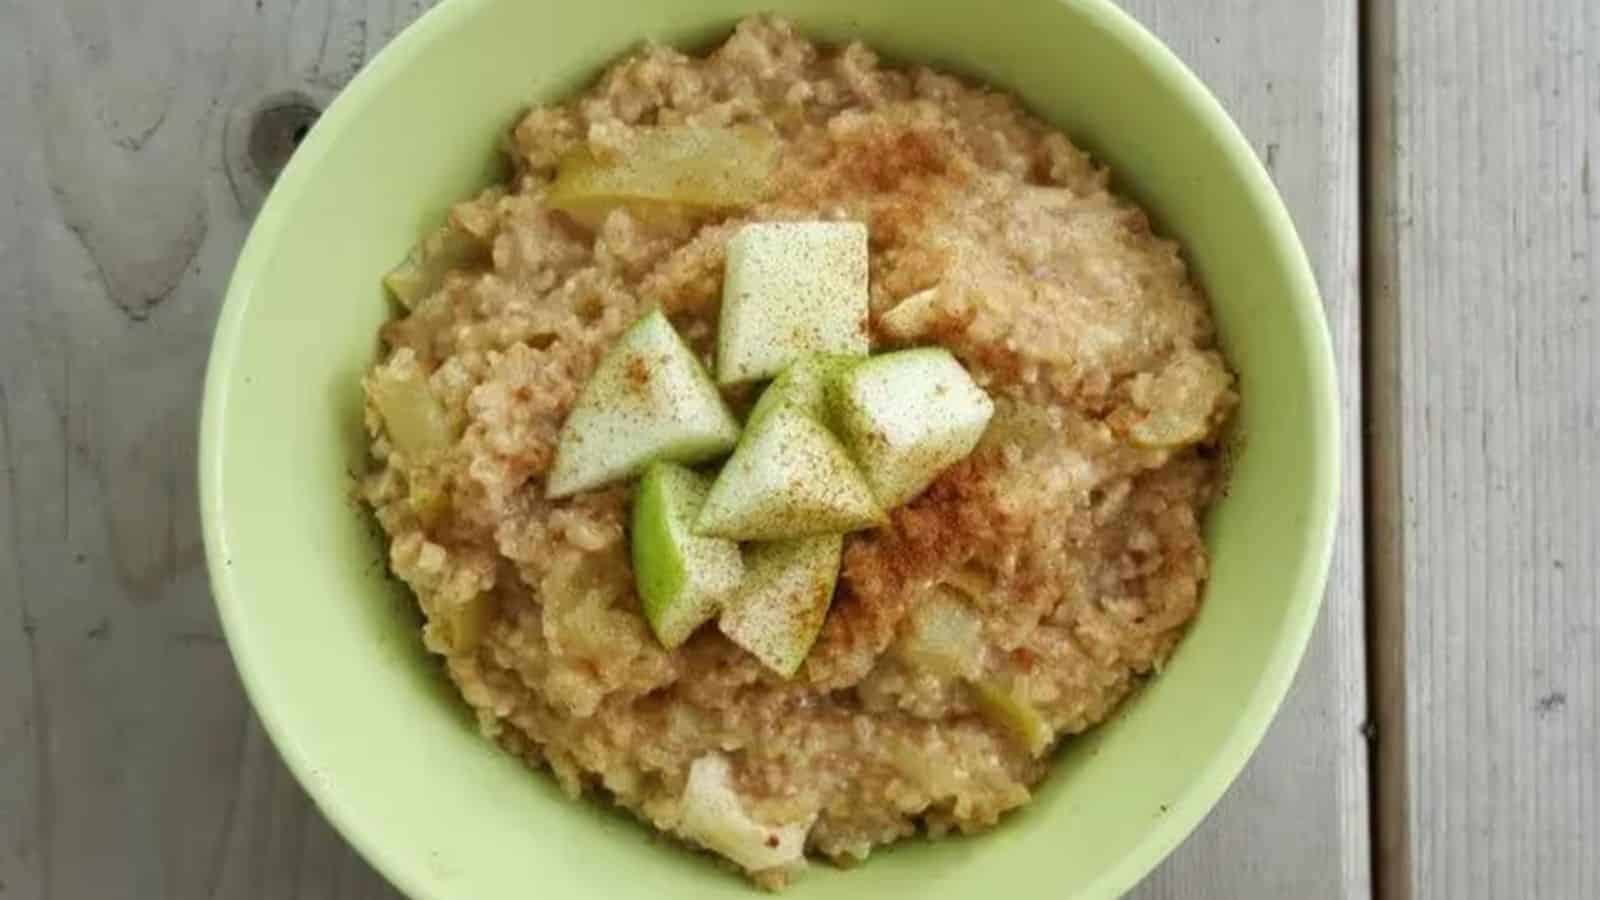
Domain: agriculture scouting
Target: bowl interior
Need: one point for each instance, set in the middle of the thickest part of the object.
(328, 646)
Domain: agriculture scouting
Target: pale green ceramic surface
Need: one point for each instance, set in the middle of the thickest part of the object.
(328, 648)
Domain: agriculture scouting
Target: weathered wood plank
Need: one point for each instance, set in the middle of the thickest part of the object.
(1487, 318)
(1296, 823)
(126, 185)
(21, 775)
(119, 229)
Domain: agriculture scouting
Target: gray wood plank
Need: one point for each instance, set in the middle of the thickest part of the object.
(21, 776)
(126, 187)
(1296, 822)
(137, 748)
(1486, 298)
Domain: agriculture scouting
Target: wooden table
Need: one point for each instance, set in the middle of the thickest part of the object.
(1454, 678)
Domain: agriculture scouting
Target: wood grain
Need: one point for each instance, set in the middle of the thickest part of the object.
(126, 186)
(1487, 319)
(22, 770)
(1296, 822)
(122, 715)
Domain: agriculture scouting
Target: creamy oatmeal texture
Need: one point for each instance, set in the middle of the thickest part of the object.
(1072, 532)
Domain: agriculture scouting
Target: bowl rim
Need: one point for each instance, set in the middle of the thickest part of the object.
(1185, 811)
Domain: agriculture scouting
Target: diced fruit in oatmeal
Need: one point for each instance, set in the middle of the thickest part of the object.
(789, 289)
(778, 611)
(414, 418)
(461, 624)
(908, 416)
(1025, 593)
(803, 387)
(1007, 708)
(788, 478)
(648, 400)
(705, 167)
(1180, 401)
(944, 636)
(449, 247)
(713, 816)
(429, 498)
(912, 317)
(681, 577)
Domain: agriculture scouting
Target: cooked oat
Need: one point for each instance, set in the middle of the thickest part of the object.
(1073, 531)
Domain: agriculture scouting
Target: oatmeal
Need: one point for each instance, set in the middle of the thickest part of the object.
(1018, 600)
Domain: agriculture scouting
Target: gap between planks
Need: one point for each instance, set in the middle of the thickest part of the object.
(1381, 451)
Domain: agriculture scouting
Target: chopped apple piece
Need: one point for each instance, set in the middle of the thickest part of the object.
(788, 478)
(907, 417)
(1007, 708)
(682, 578)
(713, 816)
(778, 611)
(689, 165)
(791, 288)
(912, 317)
(422, 273)
(803, 387)
(414, 418)
(652, 215)
(945, 636)
(969, 581)
(463, 622)
(1180, 400)
(429, 497)
(648, 400)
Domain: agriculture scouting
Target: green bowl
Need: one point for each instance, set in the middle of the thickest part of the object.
(328, 647)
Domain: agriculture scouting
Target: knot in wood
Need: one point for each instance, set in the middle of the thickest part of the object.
(276, 131)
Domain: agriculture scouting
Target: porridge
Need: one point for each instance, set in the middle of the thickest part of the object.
(974, 621)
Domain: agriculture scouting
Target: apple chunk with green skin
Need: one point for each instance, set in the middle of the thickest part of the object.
(789, 289)
(1011, 711)
(907, 417)
(778, 611)
(803, 387)
(648, 400)
(681, 578)
(788, 478)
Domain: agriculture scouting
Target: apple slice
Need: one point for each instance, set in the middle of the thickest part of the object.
(907, 417)
(944, 636)
(1181, 400)
(423, 272)
(707, 167)
(417, 423)
(912, 317)
(648, 400)
(1008, 709)
(713, 815)
(682, 578)
(791, 288)
(778, 611)
(788, 478)
(803, 387)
